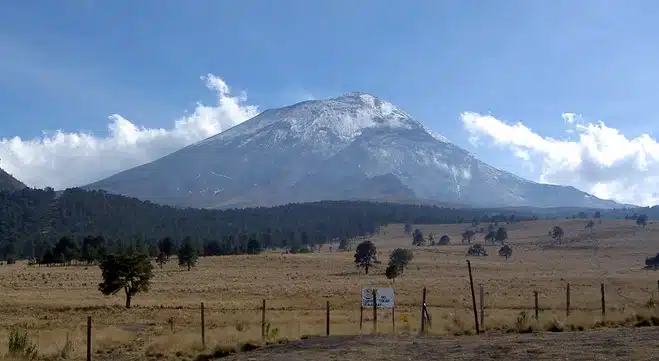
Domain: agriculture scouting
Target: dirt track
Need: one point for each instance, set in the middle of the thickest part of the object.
(619, 344)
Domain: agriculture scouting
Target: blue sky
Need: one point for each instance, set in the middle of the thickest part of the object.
(70, 64)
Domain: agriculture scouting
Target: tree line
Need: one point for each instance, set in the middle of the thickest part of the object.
(33, 221)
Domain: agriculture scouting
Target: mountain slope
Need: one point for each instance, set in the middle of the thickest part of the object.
(9, 183)
(352, 146)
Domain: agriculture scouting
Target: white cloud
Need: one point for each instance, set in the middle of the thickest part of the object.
(62, 160)
(601, 160)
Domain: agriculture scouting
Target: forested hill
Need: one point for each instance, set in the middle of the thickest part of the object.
(8, 182)
(31, 221)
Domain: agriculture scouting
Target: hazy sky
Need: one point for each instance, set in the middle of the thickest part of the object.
(554, 91)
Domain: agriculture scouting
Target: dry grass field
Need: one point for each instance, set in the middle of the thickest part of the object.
(54, 302)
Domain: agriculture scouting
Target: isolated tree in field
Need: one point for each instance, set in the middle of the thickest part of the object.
(166, 246)
(597, 215)
(161, 259)
(431, 239)
(417, 238)
(365, 255)
(652, 262)
(128, 271)
(408, 228)
(502, 235)
(187, 254)
(477, 250)
(344, 244)
(392, 272)
(468, 235)
(642, 220)
(505, 251)
(590, 225)
(557, 233)
(400, 258)
(491, 236)
(444, 240)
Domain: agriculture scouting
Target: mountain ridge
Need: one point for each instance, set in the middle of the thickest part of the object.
(9, 183)
(353, 145)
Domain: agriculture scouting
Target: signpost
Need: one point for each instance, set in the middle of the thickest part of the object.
(384, 297)
(377, 298)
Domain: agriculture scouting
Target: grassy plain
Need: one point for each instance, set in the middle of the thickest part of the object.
(54, 302)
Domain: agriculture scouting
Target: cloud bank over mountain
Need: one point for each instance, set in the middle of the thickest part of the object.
(62, 160)
(598, 159)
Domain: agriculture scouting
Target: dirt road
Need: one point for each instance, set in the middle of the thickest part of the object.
(620, 344)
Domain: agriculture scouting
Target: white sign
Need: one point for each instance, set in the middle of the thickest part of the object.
(384, 297)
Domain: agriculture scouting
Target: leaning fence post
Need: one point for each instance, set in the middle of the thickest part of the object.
(473, 297)
(423, 311)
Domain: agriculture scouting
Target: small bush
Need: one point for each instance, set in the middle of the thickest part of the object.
(271, 333)
(523, 323)
(555, 325)
(67, 350)
(20, 346)
(240, 326)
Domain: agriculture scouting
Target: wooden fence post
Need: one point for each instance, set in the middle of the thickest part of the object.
(603, 300)
(327, 324)
(423, 311)
(263, 320)
(473, 298)
(567, 301)
(482, 299)
(393, 318)
(203, 327)
(89, 338)
(361, 316)
(375, 310)
(535, 295)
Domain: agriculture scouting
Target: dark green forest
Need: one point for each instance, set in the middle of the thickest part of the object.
(37, 223)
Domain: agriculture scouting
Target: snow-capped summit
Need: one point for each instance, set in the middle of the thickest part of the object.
(351, 146)
(345, 117)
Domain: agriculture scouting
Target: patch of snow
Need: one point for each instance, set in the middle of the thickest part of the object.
(466, 173)
(221, 175)
(437, 136)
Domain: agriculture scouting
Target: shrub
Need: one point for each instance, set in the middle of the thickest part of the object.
(20, 346)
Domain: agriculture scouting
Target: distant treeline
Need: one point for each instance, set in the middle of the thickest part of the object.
(33, 221)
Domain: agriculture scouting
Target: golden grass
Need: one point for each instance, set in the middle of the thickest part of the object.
(55, 301)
